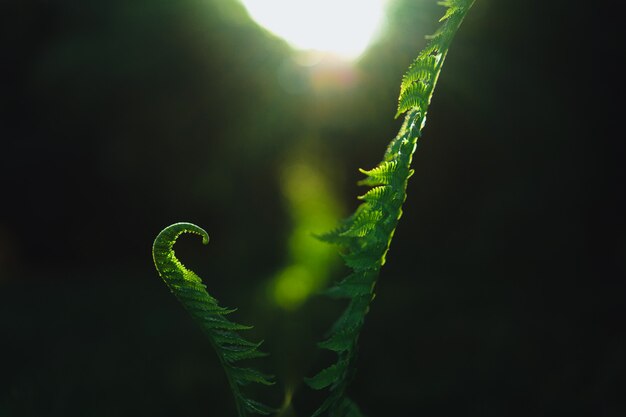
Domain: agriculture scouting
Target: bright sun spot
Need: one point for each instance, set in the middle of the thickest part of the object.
(345, 27)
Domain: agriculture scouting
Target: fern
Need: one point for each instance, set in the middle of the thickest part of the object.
(191, 292)
(366, 235)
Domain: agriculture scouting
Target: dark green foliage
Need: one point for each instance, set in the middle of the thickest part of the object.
(364, 238)
(191, 292)
(366, 235)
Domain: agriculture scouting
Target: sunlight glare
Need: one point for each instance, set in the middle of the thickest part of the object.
(344, 27)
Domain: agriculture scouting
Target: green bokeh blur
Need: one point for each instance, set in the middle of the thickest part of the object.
(503, 292)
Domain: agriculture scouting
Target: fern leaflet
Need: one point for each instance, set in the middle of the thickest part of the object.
(191, 292)
(366, 235)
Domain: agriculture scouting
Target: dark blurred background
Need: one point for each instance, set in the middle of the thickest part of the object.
(503, 294)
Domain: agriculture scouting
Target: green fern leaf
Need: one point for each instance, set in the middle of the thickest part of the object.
(422, 70)
(327, 376)
(366, 235)
(340, 340)
(256, 407)
(188, 288)
(363, 223)
(381, 193)
(244, 376)
(363, 260)
(414, 95)
(383, 174)
(355, 284)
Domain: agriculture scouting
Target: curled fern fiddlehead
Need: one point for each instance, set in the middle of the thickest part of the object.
(366, 235)
(191, 292)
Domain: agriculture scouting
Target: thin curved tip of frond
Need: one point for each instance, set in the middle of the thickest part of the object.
(192, 228)
(172, 231)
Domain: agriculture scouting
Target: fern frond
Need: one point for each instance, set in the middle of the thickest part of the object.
(383, 174)
(188, 288)
(380, 193)
(353, 285)
(256, 407)
(414, 96)
(363, 223)
(328, 376)
(366, 235)
(419, 82)
(422, 70)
